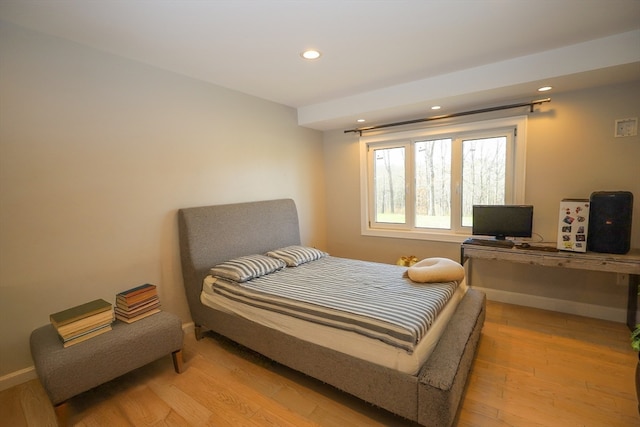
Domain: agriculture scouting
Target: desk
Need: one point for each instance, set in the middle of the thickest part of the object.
(627, 264)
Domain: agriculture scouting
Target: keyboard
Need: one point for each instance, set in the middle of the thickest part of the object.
(538, 248)
(489, 242)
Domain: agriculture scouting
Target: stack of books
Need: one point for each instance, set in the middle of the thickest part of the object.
(79, 323)
(137, 303)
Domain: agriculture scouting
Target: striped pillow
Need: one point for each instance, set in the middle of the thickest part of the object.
(247, 267)
(296, 255)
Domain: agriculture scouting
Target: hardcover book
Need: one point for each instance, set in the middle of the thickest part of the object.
(135, 291)
(84, 337)
(137, 299)
(132, 306)
(129, 312)
(78, 312)
(90, 322)
(136, 318)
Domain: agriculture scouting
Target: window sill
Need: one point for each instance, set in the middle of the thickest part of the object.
(445, 236)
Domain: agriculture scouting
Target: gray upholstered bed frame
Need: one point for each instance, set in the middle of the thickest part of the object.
(212, 234)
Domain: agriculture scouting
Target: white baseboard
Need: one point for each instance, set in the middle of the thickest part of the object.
(188, 328)
(552, 304)
(17, 377)
(29, 373)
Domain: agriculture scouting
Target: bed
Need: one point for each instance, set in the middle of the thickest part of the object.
(426, 389)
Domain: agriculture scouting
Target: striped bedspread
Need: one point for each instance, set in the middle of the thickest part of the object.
(368, 298)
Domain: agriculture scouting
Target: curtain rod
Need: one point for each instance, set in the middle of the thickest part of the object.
(447, 116)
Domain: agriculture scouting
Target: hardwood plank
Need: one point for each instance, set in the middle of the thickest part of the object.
(327, 417)
(215, 396)
(176, 420)
(227, 380)
(105, 413)
(143, 407)
(181, 403)
(36, 405)
(476, 413)
(295, 401)
(470, 418)
(11, 407)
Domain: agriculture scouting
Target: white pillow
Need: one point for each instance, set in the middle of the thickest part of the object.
(435, 270)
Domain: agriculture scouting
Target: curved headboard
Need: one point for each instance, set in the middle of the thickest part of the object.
(212, 234)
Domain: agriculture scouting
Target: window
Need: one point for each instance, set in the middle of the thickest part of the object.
(422, 184)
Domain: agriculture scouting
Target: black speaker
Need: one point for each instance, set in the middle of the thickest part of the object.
(610, 222)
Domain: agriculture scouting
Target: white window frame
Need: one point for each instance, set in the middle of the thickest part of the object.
(516, 163)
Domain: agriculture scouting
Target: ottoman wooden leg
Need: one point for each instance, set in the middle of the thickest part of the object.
(177, 360)
(62, 414)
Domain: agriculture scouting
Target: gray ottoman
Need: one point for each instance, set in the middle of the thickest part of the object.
(66, 372)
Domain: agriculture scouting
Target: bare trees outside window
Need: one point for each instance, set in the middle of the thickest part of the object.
(433, 183)
(390, 185)
(483, 174)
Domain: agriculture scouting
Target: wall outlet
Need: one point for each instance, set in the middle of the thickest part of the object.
(626, 127)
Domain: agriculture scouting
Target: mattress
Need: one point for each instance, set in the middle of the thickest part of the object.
(371, 349)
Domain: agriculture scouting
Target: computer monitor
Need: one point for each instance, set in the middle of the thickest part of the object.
(502, 221)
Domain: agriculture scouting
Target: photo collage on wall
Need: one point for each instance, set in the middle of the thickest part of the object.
(573, 225)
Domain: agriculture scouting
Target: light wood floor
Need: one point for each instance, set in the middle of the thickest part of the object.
(533, 368)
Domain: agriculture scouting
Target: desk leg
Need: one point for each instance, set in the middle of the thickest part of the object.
(632, 301)
(466, 264)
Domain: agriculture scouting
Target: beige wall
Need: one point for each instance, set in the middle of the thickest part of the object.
(96, 155)
(571, 152)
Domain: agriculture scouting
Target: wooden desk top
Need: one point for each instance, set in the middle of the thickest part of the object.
(628, 263)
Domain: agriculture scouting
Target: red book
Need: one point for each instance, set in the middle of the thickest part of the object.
(135, 291)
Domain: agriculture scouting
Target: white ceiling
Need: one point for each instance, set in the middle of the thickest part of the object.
(382, 60)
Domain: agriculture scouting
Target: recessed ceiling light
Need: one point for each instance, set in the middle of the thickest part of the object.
(310, 54)
(436, 107)
(361, 120)
(544, 88)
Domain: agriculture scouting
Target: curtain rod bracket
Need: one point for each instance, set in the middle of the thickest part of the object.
(448, 116)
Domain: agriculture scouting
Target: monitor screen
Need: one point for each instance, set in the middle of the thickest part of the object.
(501, 221)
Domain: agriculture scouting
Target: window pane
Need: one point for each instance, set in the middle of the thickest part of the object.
(483, 174)
(389, 183)
(433, 183)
